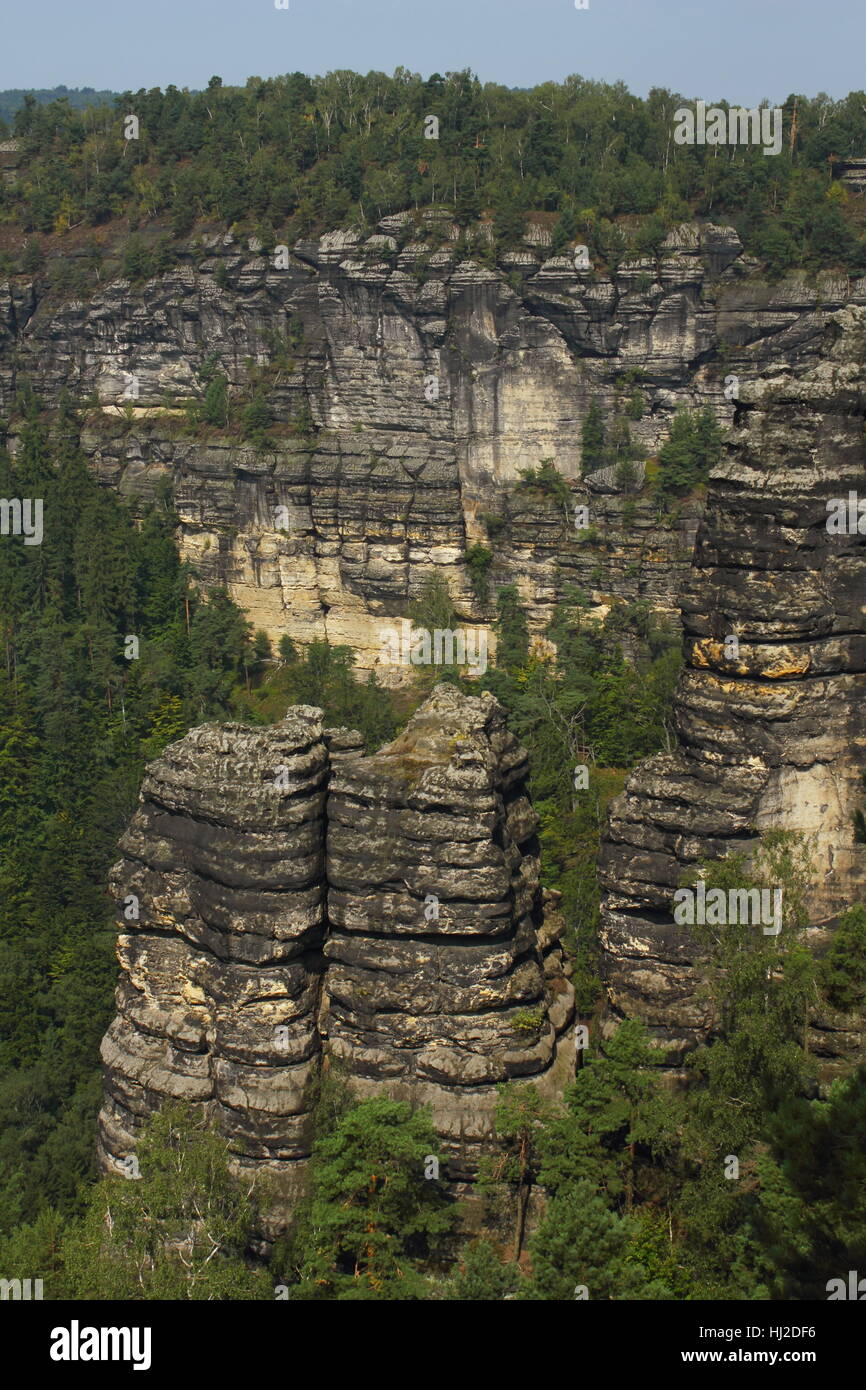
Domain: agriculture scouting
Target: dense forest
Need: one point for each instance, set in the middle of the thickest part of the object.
(301, 154)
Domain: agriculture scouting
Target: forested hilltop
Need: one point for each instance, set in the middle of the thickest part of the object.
(312, 153)
(13, 98)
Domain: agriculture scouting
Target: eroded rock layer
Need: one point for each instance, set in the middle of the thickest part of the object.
(222, 893)
(410, 383)
(436, 982)
(772, 729)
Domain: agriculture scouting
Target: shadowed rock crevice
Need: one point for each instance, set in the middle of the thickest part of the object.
(427, 979)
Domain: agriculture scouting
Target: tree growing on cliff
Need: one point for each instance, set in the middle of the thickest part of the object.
(687, 456)
(842, 971)
(512, 632)
(324, 674)
(616, 1123)
(565, 230)
(547, 480)
(214, 409)
(810, 1219)
(759, 991)
(257, 418)
(482, 1275)
(592, 440)
(479, 558)
(519, 1118)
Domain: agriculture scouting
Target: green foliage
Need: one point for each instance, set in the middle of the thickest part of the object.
(479, 559)
(549, 482)
(33, 259)
(323, 675)
(759, 990)
(626, 476)
(565, 230)
(636, 405)
(309, 153)
(842, 971)
(616, 1122)
(180, 1231)
(592, 439)
(256, 419)
(687, 456)
(512, 649)
(580, 1244)
(482, 1276)
(494, 524)
(810, 1218)
(434, 609)
(761, 987)
(377, 1225)
(36, 1251)
(137, 260)
(587, 706)
(214, 409)
(78, 722)
(519, 1120)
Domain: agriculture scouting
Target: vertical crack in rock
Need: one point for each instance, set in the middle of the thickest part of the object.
(228, 987)
(772, 734)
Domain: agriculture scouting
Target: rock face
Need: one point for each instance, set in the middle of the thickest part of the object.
(424, 382)
(242, 959)
(772, 730)
(222, 900)
(411, 381)
(436, 981)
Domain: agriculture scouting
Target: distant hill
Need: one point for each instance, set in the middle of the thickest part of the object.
(76, 96)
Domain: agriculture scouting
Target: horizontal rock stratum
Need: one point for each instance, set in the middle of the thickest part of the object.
(414, 951)
(372, 482)
(771, 730)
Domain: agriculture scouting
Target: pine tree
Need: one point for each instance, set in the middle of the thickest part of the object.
(581, 1250)
(378, 1215)
(810, 1217)
(592, 438)
(512, 644)
(482, 1276)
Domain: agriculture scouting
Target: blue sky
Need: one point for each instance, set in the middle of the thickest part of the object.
(743, 50)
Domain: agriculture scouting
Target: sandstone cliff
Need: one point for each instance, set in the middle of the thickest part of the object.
(417, 957)
(425, 379)
(436, 984)
(774, 735)
(222, 897)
